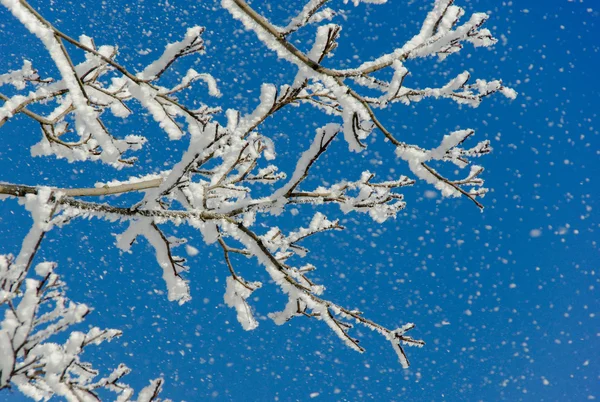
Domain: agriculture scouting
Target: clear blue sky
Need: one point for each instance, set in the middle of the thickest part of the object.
(507, 299)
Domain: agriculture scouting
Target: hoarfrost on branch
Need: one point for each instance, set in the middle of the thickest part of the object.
(212, 188)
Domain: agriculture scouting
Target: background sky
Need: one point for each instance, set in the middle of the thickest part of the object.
(506, 300)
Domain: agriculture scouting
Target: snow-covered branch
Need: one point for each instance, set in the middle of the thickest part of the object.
(35, 311)
(41, 368)
(304, 295)
(227, 184)
(85, 91)
(439, 35)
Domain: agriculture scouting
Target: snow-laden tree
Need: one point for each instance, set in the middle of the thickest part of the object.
(226, 182)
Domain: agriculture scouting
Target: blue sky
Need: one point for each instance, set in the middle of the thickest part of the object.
(506, 300)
